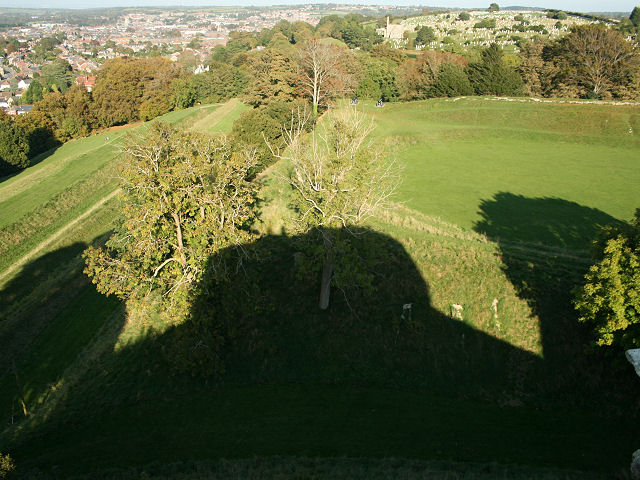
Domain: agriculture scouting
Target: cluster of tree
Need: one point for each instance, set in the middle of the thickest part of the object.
(631, 26)
(9, 44)
(45, 48)
(557, 14)
(592, 61)
(23, 138)
(292, 63)
(188, 212)
(54, 76)
(438, 74)
(126, 90)
(350, 30)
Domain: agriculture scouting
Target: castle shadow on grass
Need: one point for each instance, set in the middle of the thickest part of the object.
(545, 249)
(337, 371)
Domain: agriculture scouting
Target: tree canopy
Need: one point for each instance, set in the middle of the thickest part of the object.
(185, 198)
(339, 179)
(596, 59)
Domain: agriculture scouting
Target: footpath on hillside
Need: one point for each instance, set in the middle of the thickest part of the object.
(45, 243)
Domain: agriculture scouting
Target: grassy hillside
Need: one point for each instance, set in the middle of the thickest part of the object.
(363, 379)
(460, 154)
(49, 311)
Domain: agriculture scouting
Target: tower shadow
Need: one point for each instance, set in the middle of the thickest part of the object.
(545, 248)
(258, 369)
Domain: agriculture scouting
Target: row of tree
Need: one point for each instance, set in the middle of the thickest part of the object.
(290, 63)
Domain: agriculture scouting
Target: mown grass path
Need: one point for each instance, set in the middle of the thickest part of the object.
(34, 253)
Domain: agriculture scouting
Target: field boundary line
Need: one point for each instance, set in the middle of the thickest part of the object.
(45, 243)
(558, 101)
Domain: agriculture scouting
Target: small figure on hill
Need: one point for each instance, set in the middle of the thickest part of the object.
(379, 103)
(354, 101)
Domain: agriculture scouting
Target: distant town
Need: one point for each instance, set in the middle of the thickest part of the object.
(139, 32)
(75, 43)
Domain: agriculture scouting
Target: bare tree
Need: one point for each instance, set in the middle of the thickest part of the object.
(320, 71)
(340, 179)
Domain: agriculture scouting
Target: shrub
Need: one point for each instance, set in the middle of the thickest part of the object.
(486, 23)
(6, 465)
(610, 298)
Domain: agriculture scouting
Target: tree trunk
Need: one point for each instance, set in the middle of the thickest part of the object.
(327, 273)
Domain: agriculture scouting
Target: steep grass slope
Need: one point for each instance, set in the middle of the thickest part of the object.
(366, 378)
(49, 311)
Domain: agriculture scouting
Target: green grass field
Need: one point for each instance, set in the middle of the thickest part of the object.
(459, 155)
(499, 201)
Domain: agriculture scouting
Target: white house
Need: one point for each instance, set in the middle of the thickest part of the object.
(24, 83)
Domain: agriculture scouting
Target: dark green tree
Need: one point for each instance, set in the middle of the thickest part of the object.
(425, 35)
(39, 130)
(33, 93)
(261, 129)
(492, 75)
(273, 75)
(56, 75)
(635, 16)
(14, 148)
(379, 80)
(452, 81)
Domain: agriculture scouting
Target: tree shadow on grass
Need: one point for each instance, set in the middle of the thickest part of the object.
(27, 299)
(366, 378)
(544, 245)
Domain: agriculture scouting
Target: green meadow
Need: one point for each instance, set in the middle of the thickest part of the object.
(458, 154)
(498, 205)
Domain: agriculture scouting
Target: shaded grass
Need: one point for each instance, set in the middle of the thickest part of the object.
(307, 383)
(277, 468)
(43, 290)
(325, 421)
(49, 304)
